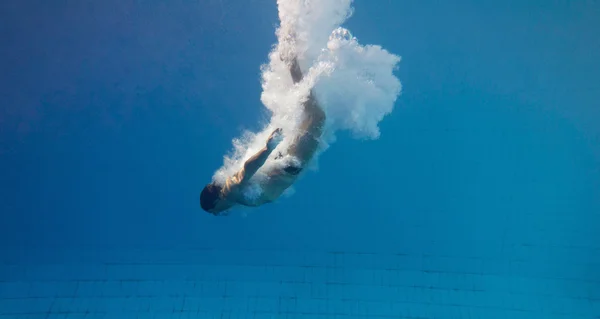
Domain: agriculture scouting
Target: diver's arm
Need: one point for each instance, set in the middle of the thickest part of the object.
(254, 163)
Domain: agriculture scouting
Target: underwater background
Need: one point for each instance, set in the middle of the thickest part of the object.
(479, 199)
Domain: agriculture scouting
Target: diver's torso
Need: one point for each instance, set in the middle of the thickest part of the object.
(267, 189)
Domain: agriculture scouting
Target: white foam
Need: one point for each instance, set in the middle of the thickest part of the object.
(353, 83)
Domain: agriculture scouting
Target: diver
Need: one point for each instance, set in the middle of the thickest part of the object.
(217, 199)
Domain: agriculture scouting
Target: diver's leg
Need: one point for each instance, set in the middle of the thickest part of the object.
(312, 111)
(310, 130)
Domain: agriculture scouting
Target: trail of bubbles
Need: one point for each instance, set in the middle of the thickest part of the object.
(353, 83)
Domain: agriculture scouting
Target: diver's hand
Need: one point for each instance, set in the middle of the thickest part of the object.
(274, 139)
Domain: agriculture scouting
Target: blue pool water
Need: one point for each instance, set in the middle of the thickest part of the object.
(480, 198)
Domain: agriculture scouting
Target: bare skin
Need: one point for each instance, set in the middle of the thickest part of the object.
(302, 148)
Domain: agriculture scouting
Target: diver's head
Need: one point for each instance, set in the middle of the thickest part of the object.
(211, 199)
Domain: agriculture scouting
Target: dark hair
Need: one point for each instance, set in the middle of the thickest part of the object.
(209, 196)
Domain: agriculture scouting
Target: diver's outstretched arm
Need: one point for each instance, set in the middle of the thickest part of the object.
(254, 163)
